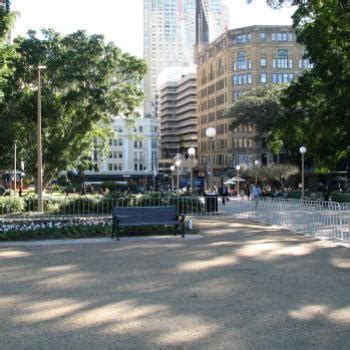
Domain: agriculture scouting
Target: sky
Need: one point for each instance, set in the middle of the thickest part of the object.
(121, 21)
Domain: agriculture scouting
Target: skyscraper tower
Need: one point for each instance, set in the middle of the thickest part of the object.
(202, 22)
(170, 34)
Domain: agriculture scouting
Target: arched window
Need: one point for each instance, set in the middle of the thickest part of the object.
(282, 53)
(241, 56)
(242, 62)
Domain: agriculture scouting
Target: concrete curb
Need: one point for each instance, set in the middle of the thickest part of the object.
(50, 242)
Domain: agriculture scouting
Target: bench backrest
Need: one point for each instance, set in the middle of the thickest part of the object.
(145, 214)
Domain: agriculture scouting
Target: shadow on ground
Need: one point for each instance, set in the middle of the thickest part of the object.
(243, 286)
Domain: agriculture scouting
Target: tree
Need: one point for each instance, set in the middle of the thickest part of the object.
(85, 83)
(6, 20)
(262, 108)
(276, 174)
(317, 105)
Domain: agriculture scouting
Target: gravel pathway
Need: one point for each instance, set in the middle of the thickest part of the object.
(241, 286)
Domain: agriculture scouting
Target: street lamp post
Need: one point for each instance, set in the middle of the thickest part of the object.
(21, 179)
(210, 133)
(39, 142)
(172, 169)
(238, 167)
(257, 165)
(178, 164)
(191, 153)
(302, 151)
(15, 169)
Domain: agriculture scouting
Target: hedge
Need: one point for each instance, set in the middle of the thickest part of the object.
(82, 231)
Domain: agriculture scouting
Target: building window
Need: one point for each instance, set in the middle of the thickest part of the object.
(263, 78)
(282, 37)
(242, 62)
(120, 142)
(137, 144)
(242, 79)
(110, 167)
(263, 62)
(282, 53)
(242, 39)
(135, 167)
(120, 129)
(304, 63)
(140, 129)
(282, 61)
(110, 155)
(282, 77)
(262, 36)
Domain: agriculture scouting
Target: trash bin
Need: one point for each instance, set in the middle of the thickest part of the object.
(211, 203)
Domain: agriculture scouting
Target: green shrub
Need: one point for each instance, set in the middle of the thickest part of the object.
(57, 188)
(340, 197)
(31, 203)
(74, 231)
(119, 188)
(80, 205)
(70, 188)
(297, 194)
(84, 231)
(11, 205)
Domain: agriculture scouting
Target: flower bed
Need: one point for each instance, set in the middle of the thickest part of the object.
(75, 227)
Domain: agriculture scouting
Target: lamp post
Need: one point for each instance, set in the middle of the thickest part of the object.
(21, 179)
(257, 165)
(210, 133)
(172, 169)
(40, 155)
(302, 151)
(191, 152)
(15, 169)
(178, 164)
(238, 167)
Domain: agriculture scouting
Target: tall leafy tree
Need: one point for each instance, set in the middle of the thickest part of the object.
(317, 105)
(86, 82)
(260, 107)
(6, 52)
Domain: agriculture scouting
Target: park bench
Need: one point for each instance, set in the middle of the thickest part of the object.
(146, 216)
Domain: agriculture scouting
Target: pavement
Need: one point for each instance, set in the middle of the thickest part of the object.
(240, 285)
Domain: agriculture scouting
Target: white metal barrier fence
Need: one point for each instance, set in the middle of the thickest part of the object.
(325, 220)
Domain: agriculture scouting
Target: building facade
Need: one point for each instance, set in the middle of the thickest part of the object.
(169, 36)
(178, 119)
(237, 61)
(133, 151)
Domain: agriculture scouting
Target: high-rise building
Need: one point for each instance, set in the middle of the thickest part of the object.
(237, 61)
(178, 118)
(169, 37)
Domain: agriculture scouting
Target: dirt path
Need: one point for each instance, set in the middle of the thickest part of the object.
(241, 286)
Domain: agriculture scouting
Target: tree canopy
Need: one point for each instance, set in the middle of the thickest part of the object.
(260, 107)
(317, 105)
(6, 52)
(85, 82)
